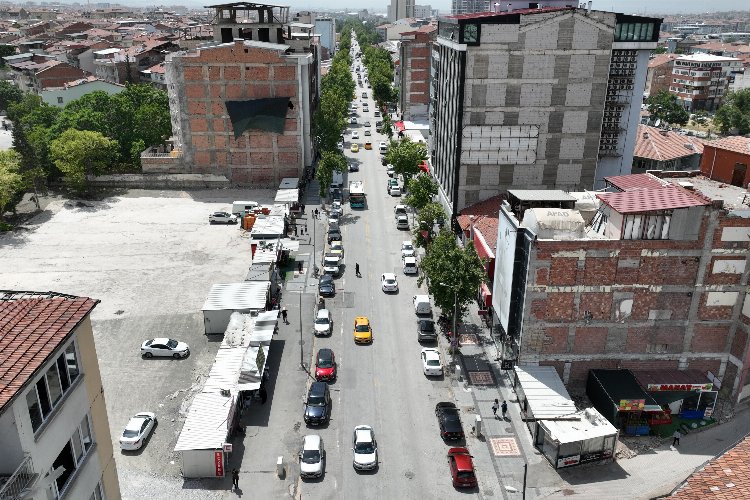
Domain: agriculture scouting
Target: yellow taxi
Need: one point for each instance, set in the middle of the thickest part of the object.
(355, 148)
(368, 145)
(362, 330)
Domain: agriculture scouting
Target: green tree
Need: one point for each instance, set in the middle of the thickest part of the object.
(734, 114)
(79, 154)
(406, 156)
(9, 94)
(452, 272)
(664, 106)
(330, 162)
(32, 122)
(421, 190)
(12, 183)
(387, 127)
(6, 50)
(430, 214)
(660, 50)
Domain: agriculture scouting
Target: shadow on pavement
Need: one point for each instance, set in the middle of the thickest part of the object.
(584, 474)
(257, 414)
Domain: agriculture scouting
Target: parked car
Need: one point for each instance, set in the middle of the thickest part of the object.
(391, 171)
(137, 430)
(395, 190)
(449, 420)
(368, 133)
(222, 218)
(383, 161)
(422, 304)
(367, 124)
(392, 183)
(426, 331)
(388, 282)
(431, 364)
(325, 365)
(407, 249)
(362, 330)
(368, 145)
(402, 222)
(312, 457)
(462, 468)
(318, 404)
(323, 322)
(326, 286)
(164, 348)
(365, 448)
(336, 208)
(334, 234)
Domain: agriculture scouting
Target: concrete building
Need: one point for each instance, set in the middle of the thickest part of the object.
(535, 98)
(326, 28)
(124, 64)
(414, 54)
(659, 73)
(54, 435)
(242, 107)
(400, 9)
(660, 149)
(69, 92)
(35, 73)
(727, 160)
(460, 7)
(422, 11)
(700, 81)
(657, 281)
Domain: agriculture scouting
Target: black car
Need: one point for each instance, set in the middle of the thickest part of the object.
(318, 404)
(326, 286)
(449, 419)
(353, 167)
(334, 235)
(426, 330)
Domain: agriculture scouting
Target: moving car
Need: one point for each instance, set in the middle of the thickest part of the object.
(377, 113)
(333, 218)
(354, 120)
(323, 322)
(388, 282)
(462, 468)
(367, 124)
(407, 248)
(325, 365)
(137, 430)
(449, 420)
(362, 330)
(163, 347)
(355, 135)
(364, 95)
(426, 331)
(353, 167)
(355, 148)
(326, 286)
(431, 364)
(222, 218)
(368, 145)
(336, 208)
(318, 404)
(365, 448)
(312, 457)
(368, 134)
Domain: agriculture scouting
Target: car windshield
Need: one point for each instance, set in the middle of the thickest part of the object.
(172, 344)
(465, 474)
(321, 321)
(129, 433)
(364, 448)
(316, 401)
(433, 362)
(311, 456)
(362, 328)
(389, 281)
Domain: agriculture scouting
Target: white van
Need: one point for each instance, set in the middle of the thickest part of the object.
(410, 265)
(240, 207)
(383, 148)
(422, 304)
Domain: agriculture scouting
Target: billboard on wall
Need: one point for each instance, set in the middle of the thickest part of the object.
(504, 257)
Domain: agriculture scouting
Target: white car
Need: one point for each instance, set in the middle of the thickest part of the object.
(222, 218)
(336, 208)
(382, 145)
(312, 457)
(365, 448)
(399, 209)
(388, 282)
(391, 170)
(395, 191)
(333, 218)
(165, 348)
(137, 430)
(431, 364)
(407, 249)
(355, 135)
(402, 222)
(323, 323)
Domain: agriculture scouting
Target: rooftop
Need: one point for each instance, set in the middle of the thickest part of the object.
(723, 477)
(660, 59)
(635, 181)
(485, 219)
(32, 326)
(492, 14)
(649, 200)
(663, 145)
(706, 58)
(734, 143)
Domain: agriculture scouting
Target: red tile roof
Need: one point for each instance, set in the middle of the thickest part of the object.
(635, 181)
(660, 59)
(32, 326)
(663, 145)
(649, 200)
(479, 15)
(725, 477)
(734, 143)
(486, 214)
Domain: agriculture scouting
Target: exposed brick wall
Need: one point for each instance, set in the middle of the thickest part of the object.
(560, 307)
(590, 340)
(598, 304)
(708, 338)
(722, 278)
(739, 343)
(706, 312)
(555, 340)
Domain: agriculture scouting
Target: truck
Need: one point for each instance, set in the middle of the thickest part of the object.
(357, 197)
(331, 263)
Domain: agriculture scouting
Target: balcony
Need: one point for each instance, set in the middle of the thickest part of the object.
(18, 485)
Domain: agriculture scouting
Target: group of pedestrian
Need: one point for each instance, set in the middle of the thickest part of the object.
(497, 406)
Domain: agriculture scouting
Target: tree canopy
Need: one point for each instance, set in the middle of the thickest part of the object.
(664, 106)
(12, 182)
(79, 154)
(406, 156)
(421, 189)
(9, 94)
(734, 114)
(330, 162)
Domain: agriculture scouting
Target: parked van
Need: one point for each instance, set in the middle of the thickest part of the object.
(422, 304)
(410, 265)
(383, 148)
(240, 207)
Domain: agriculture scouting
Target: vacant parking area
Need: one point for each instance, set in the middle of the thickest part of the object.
(151, 258)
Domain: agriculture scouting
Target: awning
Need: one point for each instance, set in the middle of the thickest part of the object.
(481, 247)
(486, 295)
(424, 167)
(399, 126)
(268, 114)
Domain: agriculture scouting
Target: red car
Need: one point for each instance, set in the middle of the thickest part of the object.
(325, 365)
(462, 468)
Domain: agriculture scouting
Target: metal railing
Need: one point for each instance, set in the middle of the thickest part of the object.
(172, 154)
(20, 481)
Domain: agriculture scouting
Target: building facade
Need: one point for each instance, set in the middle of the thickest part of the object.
(55, 431)
(326, 28)
(535, 98)
(422, 11)
(727, 160)
(700, 81)
(400, 9)
(459, 7)
(659, 74)
(414, 94)
(660, 149)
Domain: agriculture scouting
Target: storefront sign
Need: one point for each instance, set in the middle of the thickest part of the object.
(568, 461)
(219, 463)
(631, 404)
(680, 387)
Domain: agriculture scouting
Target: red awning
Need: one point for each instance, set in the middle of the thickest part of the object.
(399, 126)
(481, 247)
(424, 167)
(486, 295)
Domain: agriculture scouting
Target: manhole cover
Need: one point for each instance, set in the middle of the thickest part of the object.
(468, 339)
(409, 474)
(481, 378)
(504, 447)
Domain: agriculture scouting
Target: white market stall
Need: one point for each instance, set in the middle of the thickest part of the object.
(541, 395)
(587, 437)
(226, 298)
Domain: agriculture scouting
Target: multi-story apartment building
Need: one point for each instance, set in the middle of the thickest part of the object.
(242, 107)
(657, 280)
(400, 9)
(54, 431)
(535, 98)
(422, 11)
(700, 81)
(659, 73)
(326, 28)
(459, 7)
(414, 55)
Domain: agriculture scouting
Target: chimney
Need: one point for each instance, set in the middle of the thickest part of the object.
(645, 135)
(589, 6)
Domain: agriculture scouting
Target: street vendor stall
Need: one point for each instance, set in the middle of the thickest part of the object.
(618, 396)
(541, 395)
(579, 438)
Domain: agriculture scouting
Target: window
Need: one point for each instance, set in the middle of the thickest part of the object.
(72, 361)
(54, 385)
(97, 494)
(86, 433)
(34, 411)
(41, 392)
(50, 388)
(70, 457)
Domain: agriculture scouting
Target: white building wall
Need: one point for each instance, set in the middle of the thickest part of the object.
(70, 94)
(326, 28)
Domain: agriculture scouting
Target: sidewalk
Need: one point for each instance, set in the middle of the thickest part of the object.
(507, 445)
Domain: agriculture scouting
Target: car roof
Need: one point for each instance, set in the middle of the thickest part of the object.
(325, 353)
(135, 423)
(318, 387)
(311, 442)
(323, 313)
(363, 435)
(160, 340)
(431, 353)
(462, 457)
(361, 319)
(406, 242)
(410, 260)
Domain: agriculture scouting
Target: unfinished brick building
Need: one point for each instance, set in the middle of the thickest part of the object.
(242, 106)
(656, 281)
(414, 54)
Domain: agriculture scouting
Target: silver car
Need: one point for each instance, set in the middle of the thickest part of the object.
(365, 448)
(312, 457)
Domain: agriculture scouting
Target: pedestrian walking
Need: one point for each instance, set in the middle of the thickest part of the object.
(235, 479)
(356, 270)
(504, 408)
(495, 407)
(676, 437)
(295, 230)
(283, 315)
